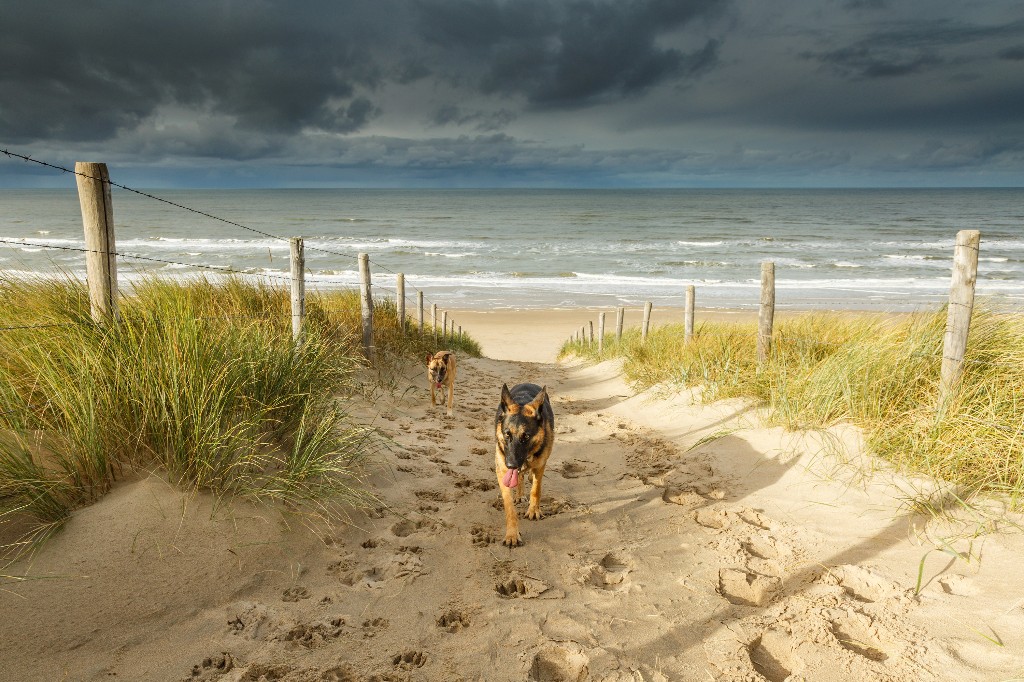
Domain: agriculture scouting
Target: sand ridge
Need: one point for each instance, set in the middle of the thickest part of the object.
(655, 560)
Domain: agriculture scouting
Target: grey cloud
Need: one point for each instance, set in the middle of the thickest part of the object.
(484, 121)
(1015, 53)
(74, 71)
(942, 155)
(570, 54)
(906, 50)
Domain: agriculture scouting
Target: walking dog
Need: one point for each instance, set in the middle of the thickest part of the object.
(524, 429)
(441, 374)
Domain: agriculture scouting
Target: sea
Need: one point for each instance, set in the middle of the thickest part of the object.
(843, 249)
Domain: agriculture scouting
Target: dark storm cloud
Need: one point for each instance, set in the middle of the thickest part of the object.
(484, 121)
(569, 54)
(1015, 53)
(909, 50)
(514, 89)
(80, 71)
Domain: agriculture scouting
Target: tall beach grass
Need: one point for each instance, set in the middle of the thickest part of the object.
(880, 373)
(198, 379)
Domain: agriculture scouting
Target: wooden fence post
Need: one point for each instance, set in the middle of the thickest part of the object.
(366, 305)
(101, 257)
(766, 314)
(647, 321)
(419, 302)
(400, 286)
(460, 333)
(961, 307)
(433, 320)
(691, 296)
(444, 328)
(591, 323)
(298, 265)
(620, 313)
(600, 333)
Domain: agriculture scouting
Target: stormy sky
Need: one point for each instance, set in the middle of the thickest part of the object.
(520, 93)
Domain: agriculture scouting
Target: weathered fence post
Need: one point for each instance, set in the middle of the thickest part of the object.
(419, 302)
(460, 333)
(600, 333)
(620, 313)
(688, 324)
(766, 314)
(961, 307)
(400, 286)
(101, 257)
(647, 321)
(366, 304)
(591, 323)
(444, 328)
(433, 319)
(298, 264)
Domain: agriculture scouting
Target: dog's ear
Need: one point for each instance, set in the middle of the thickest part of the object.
(506, 399)
(429, 358)
(537, 404)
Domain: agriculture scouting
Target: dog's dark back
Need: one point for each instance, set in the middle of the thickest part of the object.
(524, 393)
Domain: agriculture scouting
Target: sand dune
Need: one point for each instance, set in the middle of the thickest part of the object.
(752, 556)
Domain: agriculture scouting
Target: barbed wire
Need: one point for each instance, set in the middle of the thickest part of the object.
(307, 245)
(175, 204)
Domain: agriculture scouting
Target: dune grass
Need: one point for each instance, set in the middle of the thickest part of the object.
(198, 379)
(880, 373)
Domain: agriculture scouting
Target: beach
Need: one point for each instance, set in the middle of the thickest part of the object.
(663, 555)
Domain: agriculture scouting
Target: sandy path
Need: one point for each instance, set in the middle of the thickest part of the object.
(734, 560)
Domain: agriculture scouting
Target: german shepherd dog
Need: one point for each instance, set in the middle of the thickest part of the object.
(524, 429)
(441, 374)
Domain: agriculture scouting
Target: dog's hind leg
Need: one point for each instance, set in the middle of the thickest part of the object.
(519, 489)
(533, 512)
(451, 395)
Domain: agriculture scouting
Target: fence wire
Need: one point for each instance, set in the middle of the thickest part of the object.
(148, 195)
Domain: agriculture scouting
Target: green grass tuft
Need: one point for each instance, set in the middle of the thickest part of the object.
(199, 379)
(880, 373)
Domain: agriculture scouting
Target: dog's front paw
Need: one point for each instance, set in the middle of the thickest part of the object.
(534, 513)
(513, 539)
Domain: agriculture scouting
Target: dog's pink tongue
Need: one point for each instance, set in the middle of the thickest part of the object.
(511, 478)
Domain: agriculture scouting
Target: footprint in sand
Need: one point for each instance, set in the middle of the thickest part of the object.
(341, 673)
(453, 620)
(854, 632)
(515, 587)
(409, 660)
(295, 593)
(482, 484)
(772, 656)
(578, 468)
(212, 667)
(432, 495)
(482, 536)
(746, 588)
(559, 663)
(312, 635)
(407, 527)
(374, 626)
(610, 573)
